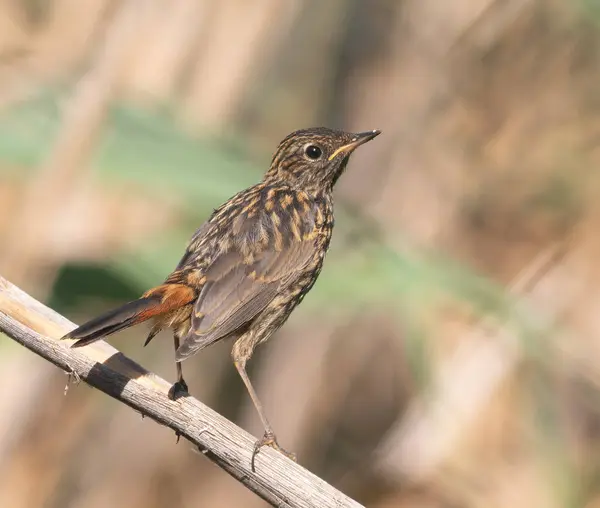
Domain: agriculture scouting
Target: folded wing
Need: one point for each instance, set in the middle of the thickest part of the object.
(245, 279)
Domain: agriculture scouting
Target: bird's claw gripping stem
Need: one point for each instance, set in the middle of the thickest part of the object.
(269, 439)
(179, 389)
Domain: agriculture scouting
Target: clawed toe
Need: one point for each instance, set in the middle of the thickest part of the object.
(270, 440)
(179, 389)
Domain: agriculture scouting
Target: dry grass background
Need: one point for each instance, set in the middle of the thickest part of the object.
(448, 356)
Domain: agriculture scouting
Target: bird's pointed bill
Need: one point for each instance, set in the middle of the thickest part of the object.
(359, 139)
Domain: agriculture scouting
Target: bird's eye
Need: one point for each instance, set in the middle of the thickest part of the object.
(313, 152)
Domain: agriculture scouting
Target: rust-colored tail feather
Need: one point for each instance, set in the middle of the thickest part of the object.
(112, 321)
(155, 302)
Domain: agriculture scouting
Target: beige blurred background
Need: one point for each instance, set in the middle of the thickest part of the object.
(447, 357)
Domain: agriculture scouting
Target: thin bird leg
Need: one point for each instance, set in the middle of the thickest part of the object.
(241, 368)
(180, 388)
(269, 438)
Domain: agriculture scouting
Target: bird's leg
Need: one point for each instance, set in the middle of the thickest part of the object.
(180, 388)
(269, 438)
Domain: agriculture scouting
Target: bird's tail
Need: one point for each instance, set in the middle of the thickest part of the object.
(156, 302)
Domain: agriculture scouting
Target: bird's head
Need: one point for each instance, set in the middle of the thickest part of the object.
(313, 159)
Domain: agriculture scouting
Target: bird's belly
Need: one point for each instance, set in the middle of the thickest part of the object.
(279, 310)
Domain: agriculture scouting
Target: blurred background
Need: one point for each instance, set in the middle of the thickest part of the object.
(448, 356)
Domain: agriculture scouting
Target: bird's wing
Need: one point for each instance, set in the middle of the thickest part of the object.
(191, 249)
(242, 281)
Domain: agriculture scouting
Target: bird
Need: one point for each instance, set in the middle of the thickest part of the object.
(249, 265)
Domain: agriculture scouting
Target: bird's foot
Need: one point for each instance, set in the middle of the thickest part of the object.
(269, 439)
(179, 389)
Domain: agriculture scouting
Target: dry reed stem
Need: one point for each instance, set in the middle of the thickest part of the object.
(277, 479)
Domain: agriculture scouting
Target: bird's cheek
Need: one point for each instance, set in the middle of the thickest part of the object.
(339, 170)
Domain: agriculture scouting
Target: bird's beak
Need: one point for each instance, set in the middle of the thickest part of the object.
(359, 139)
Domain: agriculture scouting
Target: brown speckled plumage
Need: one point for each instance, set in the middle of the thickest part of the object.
(247, 268)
